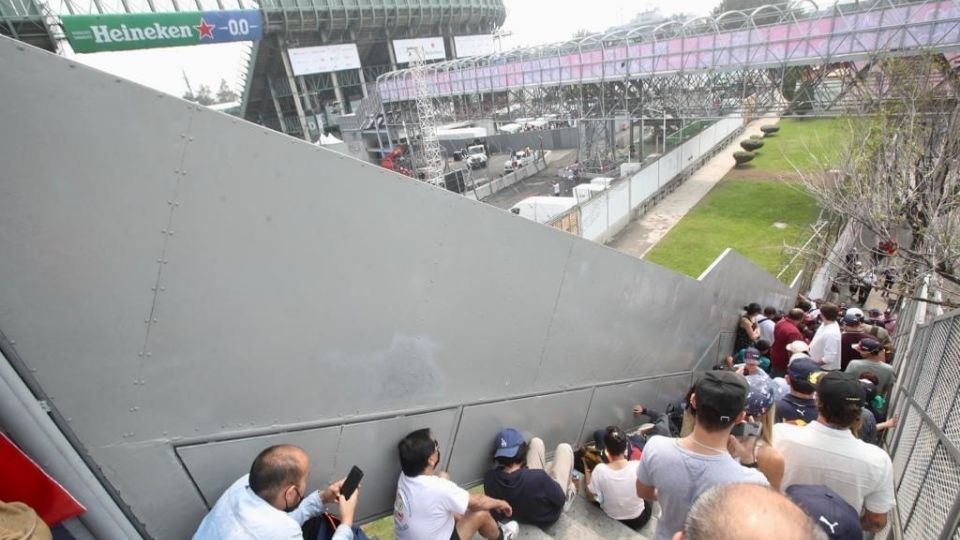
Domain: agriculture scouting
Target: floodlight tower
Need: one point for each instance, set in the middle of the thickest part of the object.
(431, 155)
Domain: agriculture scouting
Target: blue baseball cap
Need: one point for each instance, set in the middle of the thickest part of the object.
(508, 443)
(760, 394)
(801, 368)
(828, 510)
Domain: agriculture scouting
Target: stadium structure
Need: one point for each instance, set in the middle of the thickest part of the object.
(281, 91)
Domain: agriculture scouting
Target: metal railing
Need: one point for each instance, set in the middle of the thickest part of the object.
(925, 447)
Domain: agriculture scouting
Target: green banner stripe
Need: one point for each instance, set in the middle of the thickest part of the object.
(117, 32)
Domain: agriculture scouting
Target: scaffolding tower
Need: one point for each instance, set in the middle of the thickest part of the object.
(430, 152)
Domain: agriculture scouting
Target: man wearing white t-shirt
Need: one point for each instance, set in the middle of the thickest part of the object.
(826, 453)
(431, 507)
(825, 345)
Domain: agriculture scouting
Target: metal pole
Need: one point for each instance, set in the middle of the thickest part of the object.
(642, 143)
(663, 149)
(23, 417)
(291, 80)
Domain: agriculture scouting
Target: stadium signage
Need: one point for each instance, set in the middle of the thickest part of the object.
(97, 33)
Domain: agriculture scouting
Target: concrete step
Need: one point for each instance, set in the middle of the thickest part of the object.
(586, 521)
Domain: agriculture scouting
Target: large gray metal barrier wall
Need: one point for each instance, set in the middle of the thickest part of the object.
(187, 287)
(926, 444)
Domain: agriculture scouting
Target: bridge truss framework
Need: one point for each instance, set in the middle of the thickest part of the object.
(789, 59)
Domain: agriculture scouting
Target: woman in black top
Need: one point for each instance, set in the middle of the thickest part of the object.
(747, 330)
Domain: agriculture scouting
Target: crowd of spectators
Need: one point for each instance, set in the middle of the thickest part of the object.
(781, 439)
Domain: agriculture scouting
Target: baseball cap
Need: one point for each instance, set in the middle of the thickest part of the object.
(508, 443)
(798, 346)
(868, 345)
(828, 510)
(722, 391)
(856, 312)
(837, 387)
(802, 367)
(760, 394)
(751, 355)
(850, 319)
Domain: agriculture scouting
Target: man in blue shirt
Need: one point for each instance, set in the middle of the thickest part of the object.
(537, 496)
(799, 406)
(270, 502)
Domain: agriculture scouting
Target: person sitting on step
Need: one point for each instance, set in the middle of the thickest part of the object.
(429, 506)
(613, 484)
(537, 494)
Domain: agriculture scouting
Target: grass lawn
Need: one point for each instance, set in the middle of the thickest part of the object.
(738, 214)
(800, 144)
(741, 210)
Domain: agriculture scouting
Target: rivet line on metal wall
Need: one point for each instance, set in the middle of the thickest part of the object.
(362, 418)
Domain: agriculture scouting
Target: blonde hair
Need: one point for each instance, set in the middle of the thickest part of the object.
(766, 421)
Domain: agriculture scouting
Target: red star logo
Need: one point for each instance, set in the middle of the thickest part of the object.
(205, 29)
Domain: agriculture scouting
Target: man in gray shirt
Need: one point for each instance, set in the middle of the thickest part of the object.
(676, 471)
(874, 359)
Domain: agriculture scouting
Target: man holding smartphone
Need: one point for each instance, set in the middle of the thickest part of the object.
(271, 502)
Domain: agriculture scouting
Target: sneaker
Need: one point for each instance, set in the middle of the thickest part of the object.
(571, 496)
(510, 530)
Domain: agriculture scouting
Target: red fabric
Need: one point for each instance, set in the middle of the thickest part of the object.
(785, 332)
(24, 481)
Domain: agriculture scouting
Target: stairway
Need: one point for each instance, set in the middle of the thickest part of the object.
(586, 521)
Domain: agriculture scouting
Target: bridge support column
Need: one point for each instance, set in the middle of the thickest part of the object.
(339, 92)
(297, 100)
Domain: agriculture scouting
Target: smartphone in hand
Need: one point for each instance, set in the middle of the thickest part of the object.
(351, 483)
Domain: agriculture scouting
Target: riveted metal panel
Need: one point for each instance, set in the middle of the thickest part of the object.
(613, 405)
(407, 313)
(635, 341)
(372, 446)
(81, 229)
(214, 466)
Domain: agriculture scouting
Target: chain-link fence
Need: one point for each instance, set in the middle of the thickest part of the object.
(926, 444)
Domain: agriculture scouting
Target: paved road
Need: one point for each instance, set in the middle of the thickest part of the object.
(538, 184)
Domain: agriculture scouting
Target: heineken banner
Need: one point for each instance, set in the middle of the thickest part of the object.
(96, 33)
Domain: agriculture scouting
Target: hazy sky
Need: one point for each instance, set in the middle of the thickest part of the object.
(532, 22)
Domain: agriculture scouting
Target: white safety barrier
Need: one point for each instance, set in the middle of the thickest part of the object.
(606, 214)
(482, 191)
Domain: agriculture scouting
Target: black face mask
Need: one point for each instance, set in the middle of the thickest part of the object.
(289, 509)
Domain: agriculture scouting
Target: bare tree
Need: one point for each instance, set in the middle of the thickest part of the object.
(226, 94)
(898, 181)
